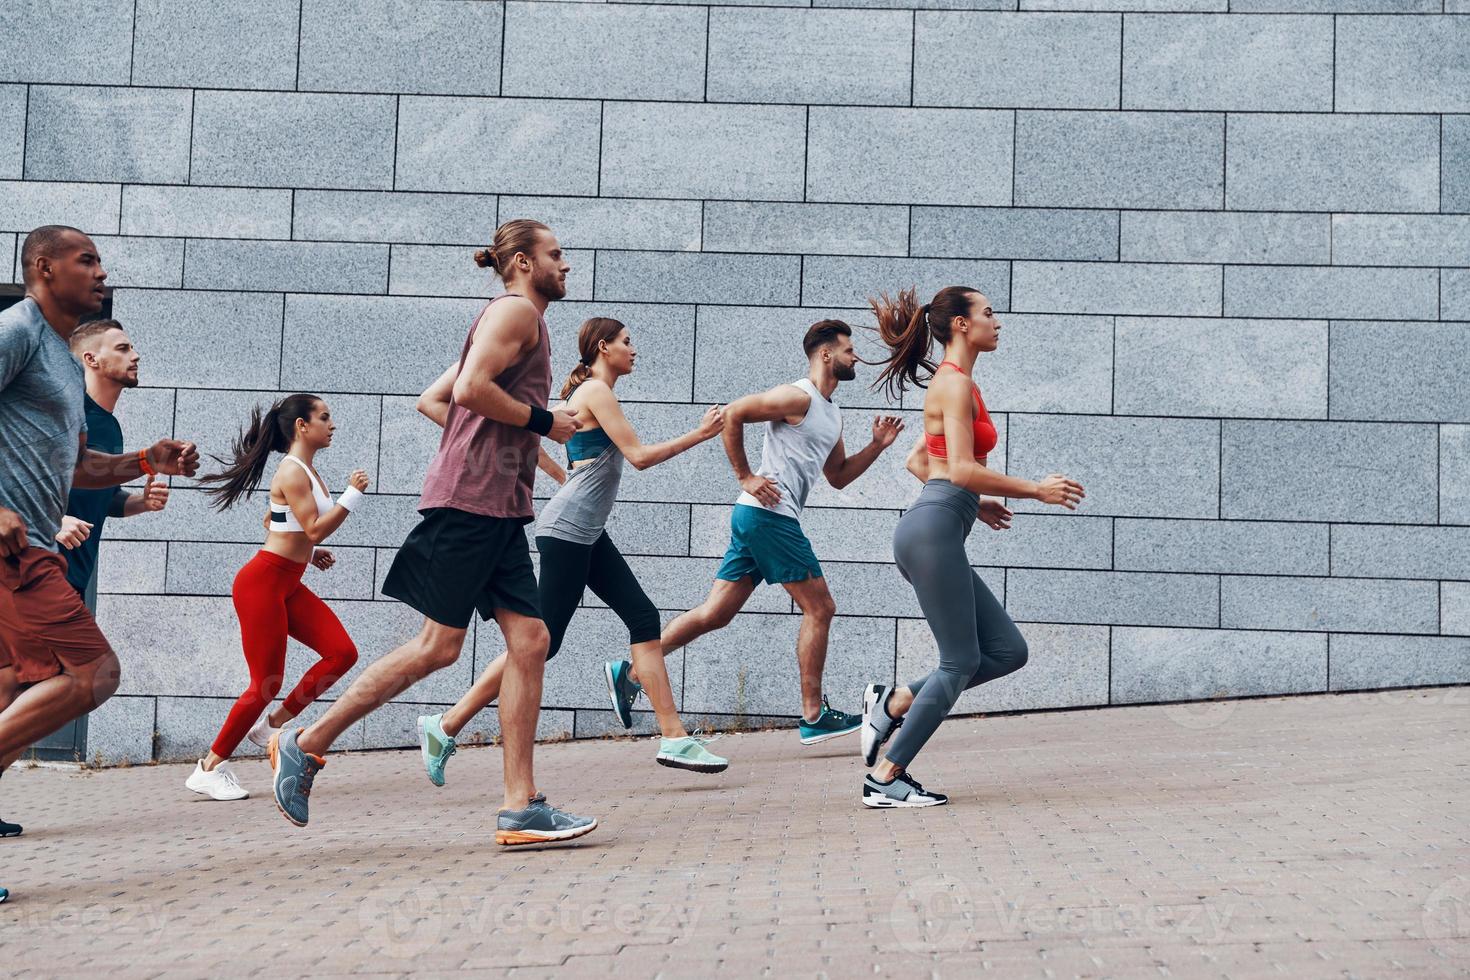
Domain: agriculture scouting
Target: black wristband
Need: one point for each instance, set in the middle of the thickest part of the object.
(540, 421)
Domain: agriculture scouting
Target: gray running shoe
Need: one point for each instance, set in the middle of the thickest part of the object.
(294, 772)
(904, 790)
(878, 727)
(540, 823)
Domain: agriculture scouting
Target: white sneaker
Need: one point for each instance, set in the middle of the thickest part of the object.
(218, 785)
(262, 732)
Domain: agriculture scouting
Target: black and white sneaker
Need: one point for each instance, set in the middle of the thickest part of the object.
(904, 790)
(878, 727)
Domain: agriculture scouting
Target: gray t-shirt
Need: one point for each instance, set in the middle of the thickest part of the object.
(42, 418)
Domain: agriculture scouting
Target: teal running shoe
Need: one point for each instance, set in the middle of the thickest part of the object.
(623, 689)
(436, 746)
(540, 823)
(690, 753)
(829, 724)
(4, 894)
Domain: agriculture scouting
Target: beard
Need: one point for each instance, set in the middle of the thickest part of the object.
(550, 285)
(844, 372)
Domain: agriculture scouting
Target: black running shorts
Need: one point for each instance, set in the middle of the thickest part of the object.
(454, 563)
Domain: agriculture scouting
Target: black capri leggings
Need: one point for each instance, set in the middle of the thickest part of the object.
(568, 568)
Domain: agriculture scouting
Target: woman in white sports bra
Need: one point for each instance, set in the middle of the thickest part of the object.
(270, 598)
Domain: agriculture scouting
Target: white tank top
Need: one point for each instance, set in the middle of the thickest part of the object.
(281, 517)
(793, 454)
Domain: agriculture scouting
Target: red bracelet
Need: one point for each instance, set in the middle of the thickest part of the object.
(143, 463)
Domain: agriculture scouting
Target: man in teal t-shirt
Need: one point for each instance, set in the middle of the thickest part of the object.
(111, 364)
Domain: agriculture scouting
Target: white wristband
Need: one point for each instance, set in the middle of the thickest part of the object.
(350, 498)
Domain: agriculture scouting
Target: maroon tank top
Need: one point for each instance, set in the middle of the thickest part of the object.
(487, 467)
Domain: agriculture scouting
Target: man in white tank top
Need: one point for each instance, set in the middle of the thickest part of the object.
(803, 440)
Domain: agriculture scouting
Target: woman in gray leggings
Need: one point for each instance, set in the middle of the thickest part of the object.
(977, 640)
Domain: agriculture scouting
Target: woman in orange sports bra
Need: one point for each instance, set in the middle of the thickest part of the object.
(977, 640)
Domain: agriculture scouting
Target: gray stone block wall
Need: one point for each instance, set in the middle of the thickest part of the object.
(1230, 244)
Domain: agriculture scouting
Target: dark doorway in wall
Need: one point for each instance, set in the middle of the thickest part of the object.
(70, 743)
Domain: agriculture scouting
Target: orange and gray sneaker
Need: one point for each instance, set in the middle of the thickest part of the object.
(540, 823)
(294, 772)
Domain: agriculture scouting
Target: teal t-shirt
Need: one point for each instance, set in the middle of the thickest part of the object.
(94, 506)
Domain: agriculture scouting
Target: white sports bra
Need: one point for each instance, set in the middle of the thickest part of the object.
(281, 517)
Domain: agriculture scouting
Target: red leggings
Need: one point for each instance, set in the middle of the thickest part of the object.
(272, 604)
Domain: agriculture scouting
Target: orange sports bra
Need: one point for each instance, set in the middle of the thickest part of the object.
(985, 435)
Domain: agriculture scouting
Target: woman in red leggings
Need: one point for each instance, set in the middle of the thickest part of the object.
(270, 598)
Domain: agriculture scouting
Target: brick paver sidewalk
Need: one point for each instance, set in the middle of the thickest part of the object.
(1322, 836)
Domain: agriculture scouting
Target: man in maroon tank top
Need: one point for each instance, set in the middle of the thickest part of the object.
(470, 553)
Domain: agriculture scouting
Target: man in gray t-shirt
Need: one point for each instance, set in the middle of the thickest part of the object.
(49, 643)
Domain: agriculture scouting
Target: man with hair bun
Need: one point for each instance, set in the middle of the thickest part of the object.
(469, 553)
(803, 440)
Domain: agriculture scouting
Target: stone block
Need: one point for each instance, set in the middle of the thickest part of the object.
(1159, 467)
(1413, 372)
(609, 222)
(1119, 159)
(1454, 165)
(1067, 667)
(1186, 664)
(1228, 62)
(1366, 550)
(1332, 162)
(1454, 474)
(1162, 6)
(848, 281)
(1015, 233)
(1115, 287)
(1454, 608)
(792, 55)
(1226, 547)
(107, 134)
(206, 212)
(708, 151)
(295, 267)
(497, 145)
(870, 156)
(1336, 292)
(201, 568)
(1229, 368)
(120, 732)
(1397, 479)
(1454, 294)
(1053, 61)
(1265, 238)
(1361, 663)
(1045, 541)
(1400, 239)
(285, 139)
(32, 49)
(843, 229)
(156, 263)
(12, 131)
(240, 331)
(130, 567)
(449, 46)
(1403, 64)
(609, 51)
(190, 43)
(1336, 604)
(25, 205)
(699, 277)
(395, 216)
(1133, 598)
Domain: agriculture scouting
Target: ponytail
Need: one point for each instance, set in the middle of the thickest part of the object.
(910, 331)
(593, 333)
(271, 431)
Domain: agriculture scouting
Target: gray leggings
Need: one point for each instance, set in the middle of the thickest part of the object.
(977, 640)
